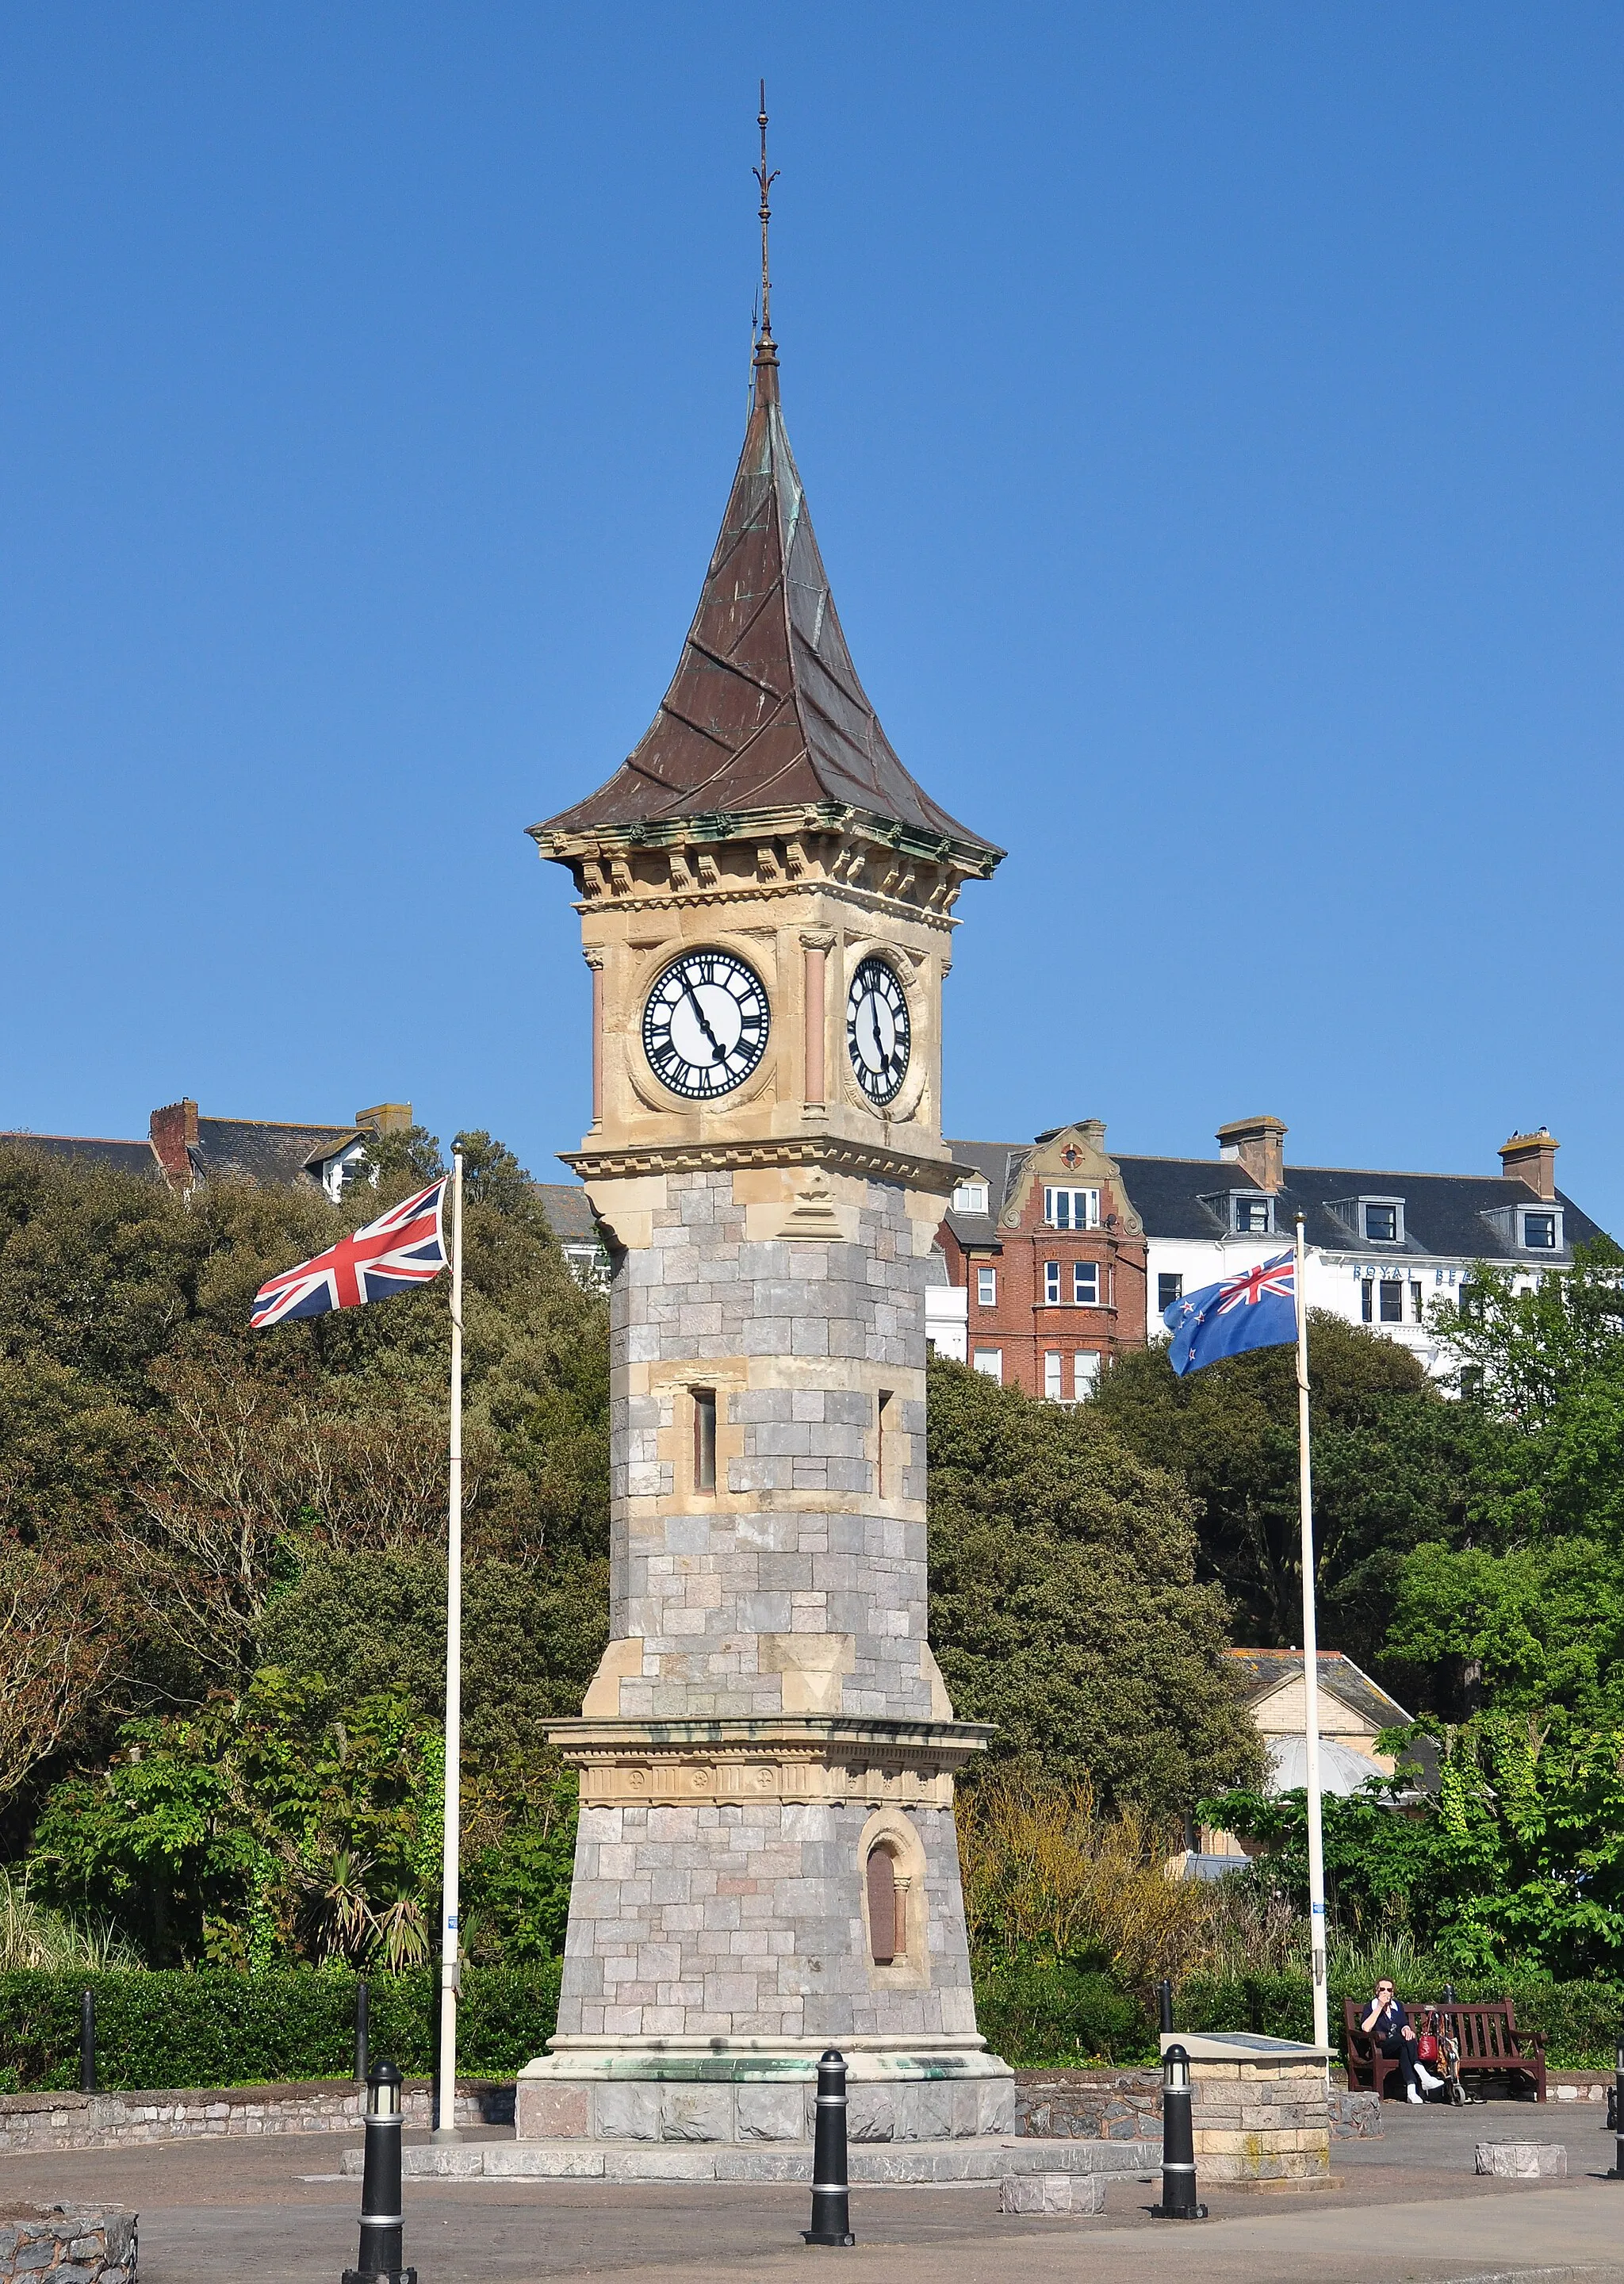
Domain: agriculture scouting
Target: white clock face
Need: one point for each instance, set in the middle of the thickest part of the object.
(704, 1025)
(877, 1032)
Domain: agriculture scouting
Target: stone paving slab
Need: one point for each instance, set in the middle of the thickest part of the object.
(876, 2163)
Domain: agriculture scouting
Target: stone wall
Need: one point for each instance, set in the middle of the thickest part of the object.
(78, 2244)
(1262, 2123)
(100, 2120)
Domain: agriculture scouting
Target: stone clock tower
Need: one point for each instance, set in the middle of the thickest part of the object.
(767, 1860)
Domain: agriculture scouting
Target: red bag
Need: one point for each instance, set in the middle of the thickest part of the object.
(1427, 2046)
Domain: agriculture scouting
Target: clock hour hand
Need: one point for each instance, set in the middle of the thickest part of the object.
(704, 1025)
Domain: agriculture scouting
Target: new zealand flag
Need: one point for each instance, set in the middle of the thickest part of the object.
(1257, 1309)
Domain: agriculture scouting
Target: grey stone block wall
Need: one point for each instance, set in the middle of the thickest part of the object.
(746, 1922)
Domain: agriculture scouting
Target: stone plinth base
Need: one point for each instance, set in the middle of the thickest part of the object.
(752, 2093)
(1523, 2161)
(872, 2164)
(1260, 2108)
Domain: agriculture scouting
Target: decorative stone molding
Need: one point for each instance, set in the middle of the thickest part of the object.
(802, 1761)
(873, 1159)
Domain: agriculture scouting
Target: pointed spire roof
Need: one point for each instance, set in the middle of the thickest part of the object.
(765, 710)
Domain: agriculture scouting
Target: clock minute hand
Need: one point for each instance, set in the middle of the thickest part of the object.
(704, 1025)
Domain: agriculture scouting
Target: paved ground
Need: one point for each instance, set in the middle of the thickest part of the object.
(217, 2212)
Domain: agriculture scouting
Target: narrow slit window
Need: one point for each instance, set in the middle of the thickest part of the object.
(704, 1439)
(883, 1897)
(885, 1466)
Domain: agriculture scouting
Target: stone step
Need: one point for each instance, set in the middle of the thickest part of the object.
(872, 2163)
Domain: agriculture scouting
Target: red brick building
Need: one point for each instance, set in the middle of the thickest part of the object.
(1051, 1256)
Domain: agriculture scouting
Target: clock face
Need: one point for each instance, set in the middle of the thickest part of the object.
(704, 1025)
(877, 1032)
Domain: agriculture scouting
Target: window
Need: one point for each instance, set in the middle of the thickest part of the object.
(986, 1288)
(1072, 1209)
(1417, 1305)
(1052, 1375)
(970, 1197)
(989, 1361)
(1085, 1374)
(1168, 1289)
(1253, 1215)
(1366, 1296)
(1051, 1282)
(1381, 1225)
(1469, 1301)
(704, 1439)
(887, 1931)
(1085, 1284)
(1472, 1379)
(1540, 1231)
(1392, 1301)
(885, 1414)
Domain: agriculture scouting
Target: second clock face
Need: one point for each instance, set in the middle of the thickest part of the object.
(705, 1024)
(877, 1032)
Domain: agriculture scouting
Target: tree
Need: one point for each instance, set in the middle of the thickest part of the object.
(1063, 1603)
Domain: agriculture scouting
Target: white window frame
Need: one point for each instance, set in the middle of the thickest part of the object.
(1171, 1276)
(1245, 1202)
(1053, 1209)
(1085, 1374)
(986, 1285)
(1051, 1284)
(1051, 1374)
(1552, 1214)
(989, 1363)
(970, 1197)
(1079, 1271)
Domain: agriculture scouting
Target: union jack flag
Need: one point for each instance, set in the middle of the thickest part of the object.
(1257, 1309)
(401, 1249)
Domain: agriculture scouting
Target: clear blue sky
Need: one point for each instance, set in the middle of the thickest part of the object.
(1211, 421)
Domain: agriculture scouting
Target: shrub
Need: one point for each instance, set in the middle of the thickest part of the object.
(1035, 2011)
(215, 2028)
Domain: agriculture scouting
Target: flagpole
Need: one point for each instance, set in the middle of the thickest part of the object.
(1310, 1668)
(450, 1971)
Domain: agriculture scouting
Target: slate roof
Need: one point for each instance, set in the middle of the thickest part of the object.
(1267, 1668)
(569, 1212)
(127, 1157)
(1444, 1214)
(261, 1151)
(765, 710)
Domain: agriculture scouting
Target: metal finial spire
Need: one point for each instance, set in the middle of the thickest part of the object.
(766, 180)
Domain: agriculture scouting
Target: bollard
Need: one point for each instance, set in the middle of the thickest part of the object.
(831, 2220)
(1178, 2142)
(86, 2042)
(1616, 2170)
(1164, 1999)
(382, 2221)
(363, 2013)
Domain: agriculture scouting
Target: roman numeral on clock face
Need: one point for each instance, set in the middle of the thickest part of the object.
(706, 1024)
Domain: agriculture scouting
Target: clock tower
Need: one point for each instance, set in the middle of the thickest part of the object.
(767, 1862)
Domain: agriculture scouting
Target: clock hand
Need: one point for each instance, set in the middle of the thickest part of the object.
(704, 1025)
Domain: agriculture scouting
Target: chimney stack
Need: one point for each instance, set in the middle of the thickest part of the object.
(1260, 1146)
(1532, 1158)
(385, 1118)
(174, 1132)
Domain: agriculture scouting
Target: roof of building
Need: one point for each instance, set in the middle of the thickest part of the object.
(263, 1151)
(128, 1157)
(569, 1212)
(765, 709)
(1267, 1670)
(1445, 1214)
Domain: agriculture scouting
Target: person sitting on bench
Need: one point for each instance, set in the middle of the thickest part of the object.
(1388, 2024)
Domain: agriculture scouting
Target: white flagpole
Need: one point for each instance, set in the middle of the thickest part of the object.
(1310, 1669)
(450, 1971)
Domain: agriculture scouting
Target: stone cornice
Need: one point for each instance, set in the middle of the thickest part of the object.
(871, 1159)
(975, 860)
(806, 1758)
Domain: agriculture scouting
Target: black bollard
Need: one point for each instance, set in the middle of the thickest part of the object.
(832, 2218)
(1616, 2170)
(86, 2042)
(363, 2006)
(1164, 2000)
(1178, 2142)
(382, 2221)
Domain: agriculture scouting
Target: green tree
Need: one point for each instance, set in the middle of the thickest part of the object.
(1064, 1602)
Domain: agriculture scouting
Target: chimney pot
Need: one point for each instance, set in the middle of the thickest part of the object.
(1532, 1158)
(1259, 1143)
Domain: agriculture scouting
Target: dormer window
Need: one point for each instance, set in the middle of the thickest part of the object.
(1542, 1232)
(1254, 1217)
(1071, 1209)
(1381, 1225)
(970, 1197)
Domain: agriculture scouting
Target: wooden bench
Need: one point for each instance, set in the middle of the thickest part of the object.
(1491, 2046)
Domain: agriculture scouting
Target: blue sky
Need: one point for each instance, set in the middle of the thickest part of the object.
(1211, 419)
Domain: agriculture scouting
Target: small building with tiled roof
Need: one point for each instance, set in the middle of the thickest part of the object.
(184, 1148)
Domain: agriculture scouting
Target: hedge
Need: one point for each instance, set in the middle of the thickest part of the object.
(213, 2028)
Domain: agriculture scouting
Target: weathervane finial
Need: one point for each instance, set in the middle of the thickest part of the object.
(766, 180)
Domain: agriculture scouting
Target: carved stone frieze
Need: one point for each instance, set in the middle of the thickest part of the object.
(803, 1762)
